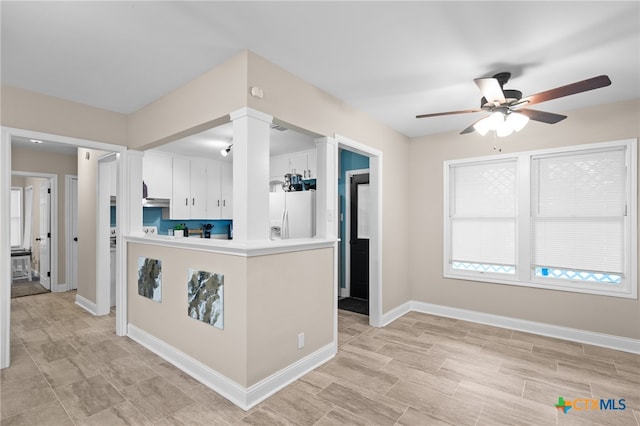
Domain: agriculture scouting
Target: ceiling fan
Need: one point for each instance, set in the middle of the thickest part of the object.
(506, 105)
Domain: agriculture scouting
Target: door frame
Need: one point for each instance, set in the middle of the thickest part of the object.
(103, 255)
(6, 133)
(347, 229)
(53, 217)
(71, 284)
(375, 224)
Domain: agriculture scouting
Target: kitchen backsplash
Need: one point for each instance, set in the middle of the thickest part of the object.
(152, 216)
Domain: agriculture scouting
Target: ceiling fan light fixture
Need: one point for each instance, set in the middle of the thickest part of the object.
(504, 129)
(482, 126)
(517, 121)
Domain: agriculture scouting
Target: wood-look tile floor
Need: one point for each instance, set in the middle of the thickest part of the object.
(69, 368)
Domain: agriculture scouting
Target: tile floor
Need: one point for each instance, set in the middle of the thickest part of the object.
(69, 368)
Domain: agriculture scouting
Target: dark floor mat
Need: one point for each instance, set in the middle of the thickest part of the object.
(24, 287)
(354, 305)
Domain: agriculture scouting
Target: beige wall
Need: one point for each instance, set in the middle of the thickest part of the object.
(87, 221)
(287, 294)
(29, 160)
(193, 107)
(294, 101)
(610, 315)
(268, 300)
(22, 109)
(225, 351)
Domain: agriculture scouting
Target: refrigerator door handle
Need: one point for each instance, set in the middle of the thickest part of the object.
(283, 229)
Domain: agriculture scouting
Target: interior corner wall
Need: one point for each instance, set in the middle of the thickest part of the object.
(87, 221)
(199, 104)
(23, 109)
(294, 101)
(600, 314)
(29, 160)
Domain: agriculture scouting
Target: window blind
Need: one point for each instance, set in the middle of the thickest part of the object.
(578, 208)
(483, 212)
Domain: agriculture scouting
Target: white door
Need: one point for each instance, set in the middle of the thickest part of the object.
(73, 278)
(45, 235)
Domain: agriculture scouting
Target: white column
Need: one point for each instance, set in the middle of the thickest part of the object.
(129, 218)
(327, 192)
(251, 131)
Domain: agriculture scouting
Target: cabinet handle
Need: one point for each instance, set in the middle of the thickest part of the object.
(224, 203)
(193, 201)
(305, 174)
(218, 203)
(186, 201)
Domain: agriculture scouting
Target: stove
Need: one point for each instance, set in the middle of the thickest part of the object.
(112, 237)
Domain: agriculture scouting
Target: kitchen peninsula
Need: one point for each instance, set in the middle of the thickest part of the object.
(248, 315)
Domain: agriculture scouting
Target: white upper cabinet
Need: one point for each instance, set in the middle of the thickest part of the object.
(219, 190)
(156, 174)
(189, 199)
(278, 166)
(302, 163)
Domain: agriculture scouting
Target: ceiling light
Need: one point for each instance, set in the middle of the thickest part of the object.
(225, 151)
(35, 140)
(502, 123)
(517, 120)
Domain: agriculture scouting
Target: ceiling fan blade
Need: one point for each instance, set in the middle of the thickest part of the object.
(545, 117)
(491, 90)
(437, 114)
(569, 89)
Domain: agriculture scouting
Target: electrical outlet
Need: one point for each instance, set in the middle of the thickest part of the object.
(300, 340)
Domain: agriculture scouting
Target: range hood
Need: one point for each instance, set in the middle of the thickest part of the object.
(155, 202)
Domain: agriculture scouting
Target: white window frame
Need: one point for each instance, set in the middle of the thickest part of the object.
(20, 216)
(524, 275)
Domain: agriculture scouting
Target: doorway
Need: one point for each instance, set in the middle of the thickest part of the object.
(8, 136)
(34, 262)
(371, 163)
(355, 294)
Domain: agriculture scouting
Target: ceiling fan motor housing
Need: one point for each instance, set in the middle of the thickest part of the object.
(510, 96)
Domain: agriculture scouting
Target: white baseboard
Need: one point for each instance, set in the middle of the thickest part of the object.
(619, 343)
(61, 288)
(241, 396)
(86, 304)
(395, 313)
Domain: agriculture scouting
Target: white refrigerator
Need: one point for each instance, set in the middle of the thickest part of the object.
(293, 214)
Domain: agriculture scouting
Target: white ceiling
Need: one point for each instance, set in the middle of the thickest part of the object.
(392, 60)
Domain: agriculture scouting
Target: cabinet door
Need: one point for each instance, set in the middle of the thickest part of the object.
(226, 190)
(214, 201)
(198, 194)
(312, 164)
(180, 208)
(298, 163)
(278, 166)
(156, 173)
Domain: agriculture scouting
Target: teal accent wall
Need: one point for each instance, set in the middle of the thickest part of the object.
(152, 216)
(347, 160)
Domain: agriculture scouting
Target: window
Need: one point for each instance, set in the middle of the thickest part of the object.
(563, 219)
(16, 217)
